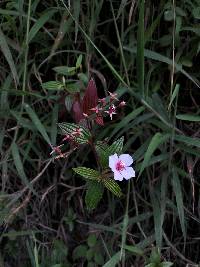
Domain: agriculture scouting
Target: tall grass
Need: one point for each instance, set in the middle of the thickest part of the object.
(147, 52)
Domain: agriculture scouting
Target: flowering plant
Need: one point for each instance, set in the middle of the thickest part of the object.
(111, 163)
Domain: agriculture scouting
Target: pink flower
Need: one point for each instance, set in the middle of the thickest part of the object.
(111, 110)
(67, 138)
(102, 101)
(56, 149)
(85, 115)
(113, 96)
(122, 104)
(96, 109)
(120, 166)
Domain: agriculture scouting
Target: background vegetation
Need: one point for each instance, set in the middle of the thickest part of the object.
(148, 53)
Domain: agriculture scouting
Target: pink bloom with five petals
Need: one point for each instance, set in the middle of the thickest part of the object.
(111, 110)
(121, 166)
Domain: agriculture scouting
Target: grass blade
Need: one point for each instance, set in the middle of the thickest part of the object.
(174, 94)
(39, 126)
(77, 9)
(157, 219)
(179, 200)
(113, 261)
(191, 141)
(20, 168)
(126, 120)
(54, 128)
(158, 57)
(188, 117)
(39, 24)
(156, 140)
(6, 51)
(140, 49)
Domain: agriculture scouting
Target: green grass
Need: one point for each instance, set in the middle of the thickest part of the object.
(136, 49)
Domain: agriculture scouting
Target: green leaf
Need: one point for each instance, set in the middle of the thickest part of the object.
(76, 11)
(134, 249)
(90, 254)
(101, 151)
(79, 252)
(191, 141)
(94, 194)
(196, 13)
(40, 23)
(87, 173)
(157, 139)
(59, 251)
(79, 61)
(155, 256)
(179, 200)
(73, 88)
(105, 151)
(83, 78)
(158, 57)
(68, 102)
(99, 258)
(53, 85)
(39, 126)
(96, 48)
(158, 105)
(140, 48)
(54, 121)
(65, 70)
(149, 32)
(115, 259)
(188, 117)
(6, 52)
(20, 168)
(150, 265)
(169, 15)
(71, 128)
(124, 233)
(111, 185)
(166, 264)
(174, 94)
(92, 240)
(157, 219)
(116, 147)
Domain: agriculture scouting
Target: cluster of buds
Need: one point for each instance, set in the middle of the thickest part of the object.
(71, 138)
(57, 151)
(112, 108)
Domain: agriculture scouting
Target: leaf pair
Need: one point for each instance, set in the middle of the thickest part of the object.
(96, 182)
(68, 71)
(95, 186)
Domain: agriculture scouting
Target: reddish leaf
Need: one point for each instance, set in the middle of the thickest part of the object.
(77, 112)
(99, 120)
(90, 99)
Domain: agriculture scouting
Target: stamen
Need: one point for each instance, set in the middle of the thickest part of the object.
(120, 166)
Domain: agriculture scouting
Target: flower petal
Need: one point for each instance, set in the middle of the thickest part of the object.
(112, 161)
(128, 173)
(126, 159)
(118, 176)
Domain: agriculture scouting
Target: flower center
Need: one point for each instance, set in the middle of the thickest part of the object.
(112, 109)
(120, 166)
